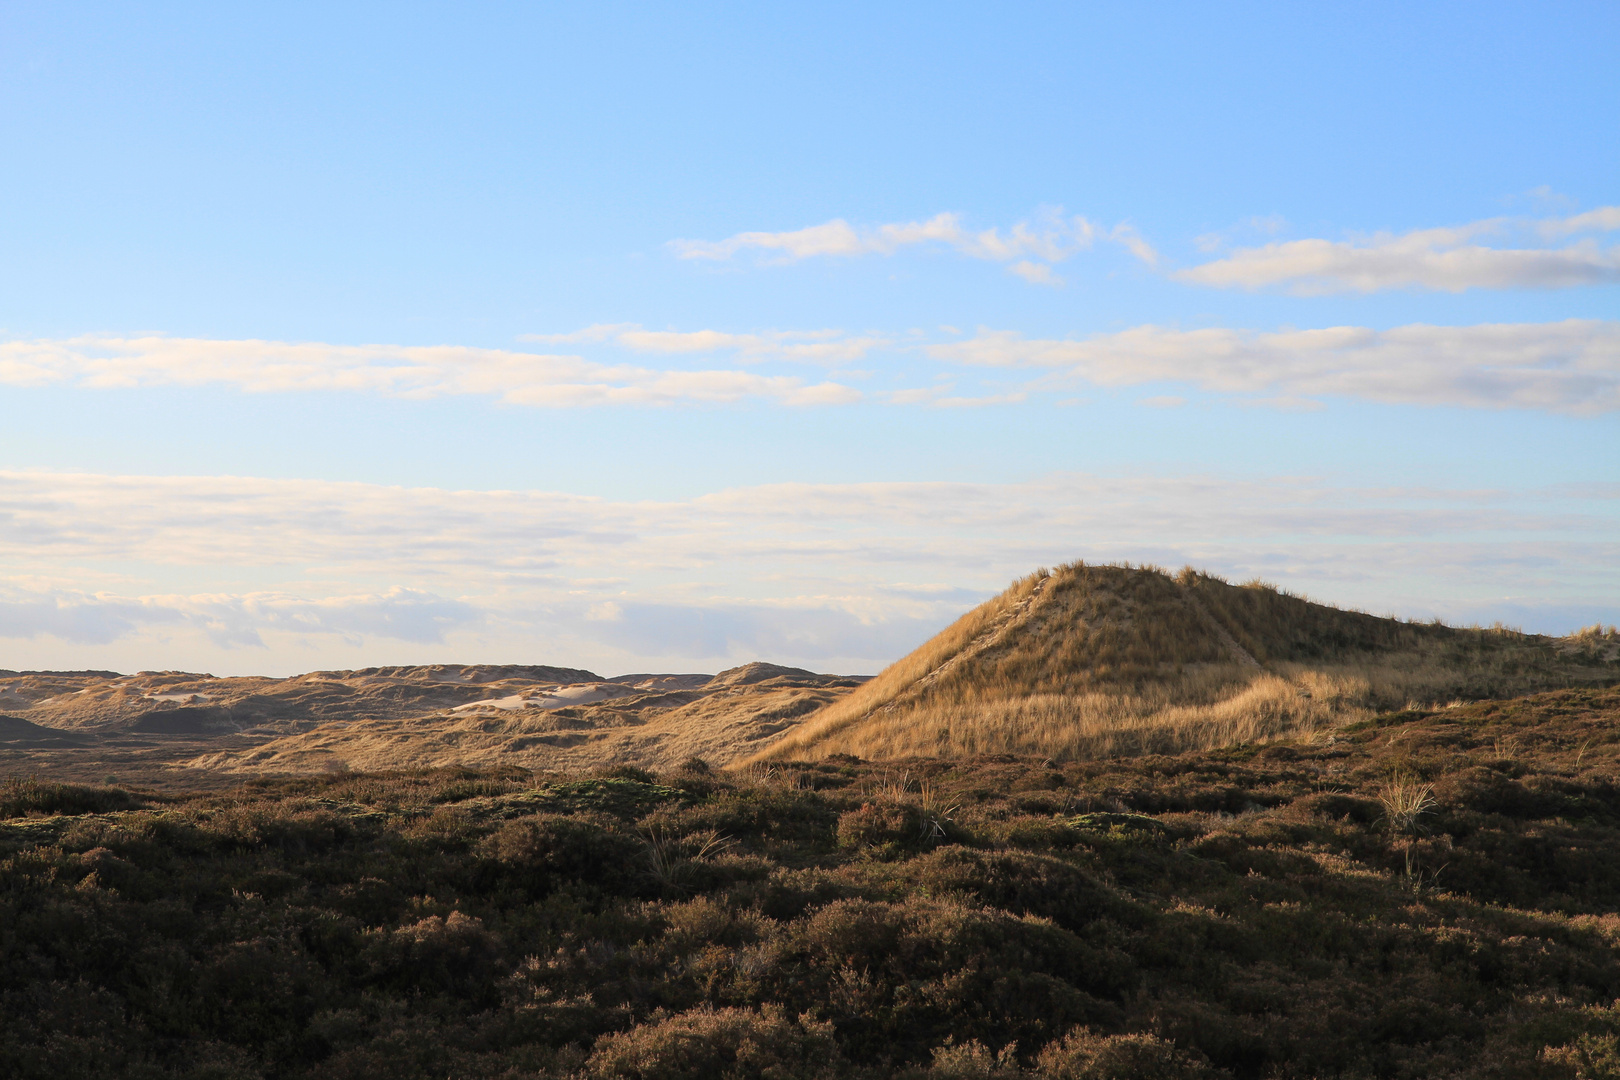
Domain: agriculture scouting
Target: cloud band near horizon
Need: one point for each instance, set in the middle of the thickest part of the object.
(185, 571)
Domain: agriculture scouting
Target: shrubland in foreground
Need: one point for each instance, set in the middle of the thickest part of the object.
(1423, 894)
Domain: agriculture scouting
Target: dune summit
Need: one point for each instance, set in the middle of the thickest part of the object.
(1085, 661)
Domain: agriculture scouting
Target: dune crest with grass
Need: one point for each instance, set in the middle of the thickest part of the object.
(1085, 661)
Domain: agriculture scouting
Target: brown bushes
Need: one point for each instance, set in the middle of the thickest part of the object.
(1089, 1055)
(720, 1044)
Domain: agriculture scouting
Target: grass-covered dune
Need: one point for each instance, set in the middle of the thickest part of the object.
(1423, 894)
(1083, 661)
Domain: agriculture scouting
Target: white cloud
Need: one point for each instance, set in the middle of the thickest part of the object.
(1445, 259)
(807, 346)
(292, 575)
(1035, 273)
(944, 396)
(106, 361)
(1603, 219)
(1030, 247)
(231, 621)
(1571, 366)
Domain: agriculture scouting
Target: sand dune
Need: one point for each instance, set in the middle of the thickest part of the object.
(172, 725)
(1093, 660)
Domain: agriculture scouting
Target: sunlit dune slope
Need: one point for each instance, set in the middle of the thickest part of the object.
(170, 728)
(178, 702)
(1090, 660)
(660, 721)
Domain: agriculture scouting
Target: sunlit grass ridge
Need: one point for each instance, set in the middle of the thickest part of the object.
(1085, 660)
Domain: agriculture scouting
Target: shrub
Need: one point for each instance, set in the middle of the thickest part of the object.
(541, 854)
(720, 1044)
(1018, 882)
(675, 862)
(628, 772)
(892, 828)
(878, 825)
(453, 955)
(19, 798)
(1086, 1055)
(972, 1060)
(1340, 807)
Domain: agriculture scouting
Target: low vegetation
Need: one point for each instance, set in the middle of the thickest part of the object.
(1425, 893)
(1087, 661)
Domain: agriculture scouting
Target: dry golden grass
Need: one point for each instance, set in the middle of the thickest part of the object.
(1096, 660)
(718, 728)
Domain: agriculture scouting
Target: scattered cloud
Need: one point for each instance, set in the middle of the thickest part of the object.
(1570, 367)
(519, 378)
(1030, 248)
(1445, 259)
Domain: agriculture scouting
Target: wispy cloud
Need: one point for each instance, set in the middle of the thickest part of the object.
(830, 347)
(231, 620)
(519, 378)
(301, 573)
(1571, 366)
(1031, 248)
(1445, 259)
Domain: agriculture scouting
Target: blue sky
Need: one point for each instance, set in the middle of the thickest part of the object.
(669, 337)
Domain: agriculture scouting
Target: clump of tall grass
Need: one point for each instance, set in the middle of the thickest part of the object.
(1405, 800)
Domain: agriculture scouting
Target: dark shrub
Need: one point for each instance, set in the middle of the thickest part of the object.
(628, 772)
(1018, 882)
(540, 855)
(372, 901)
(453, 955)
(1039, 833)
(19, 798)
(892, 828)
(1340, 807)
(899, 979)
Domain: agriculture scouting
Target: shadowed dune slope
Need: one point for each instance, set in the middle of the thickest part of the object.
(1091, 660)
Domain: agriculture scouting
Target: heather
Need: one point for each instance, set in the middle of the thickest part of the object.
(1425, 893)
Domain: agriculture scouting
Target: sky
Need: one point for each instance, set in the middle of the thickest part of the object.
(645, 337)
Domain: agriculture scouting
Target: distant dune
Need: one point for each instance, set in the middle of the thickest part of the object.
(1092, 660)
(179, 728)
